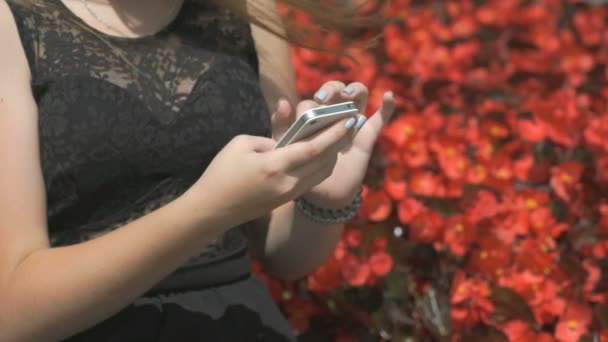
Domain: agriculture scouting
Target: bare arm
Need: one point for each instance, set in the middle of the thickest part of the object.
(287, 243)
(47, 294)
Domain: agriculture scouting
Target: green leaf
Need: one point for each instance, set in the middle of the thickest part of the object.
(573, 267)
(602, 284)
(601, 315)
(509, 305)
(396, 286)
(435, 313)
(485, 333)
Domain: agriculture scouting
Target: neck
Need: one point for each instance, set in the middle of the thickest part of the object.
(131, 18)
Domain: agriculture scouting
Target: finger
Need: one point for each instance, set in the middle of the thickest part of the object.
(310, 175)
(305, 151)
(282, 118)
(314, 179)
(361, 120)
(383, 114)
(329, 92)
(305, 105)
(358, 93)
(316, 165)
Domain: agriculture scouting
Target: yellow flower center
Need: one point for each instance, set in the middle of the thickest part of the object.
(461, 289)
(408, 129)
(495, 131)
(459, 227)
(460, 165)
(502, 173)
(572, 324)
(531, 203)
(483, 254)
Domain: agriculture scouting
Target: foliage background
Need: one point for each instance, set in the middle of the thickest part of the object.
(485, 211)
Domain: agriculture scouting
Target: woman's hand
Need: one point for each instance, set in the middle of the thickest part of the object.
(249, 178)
(349, 166)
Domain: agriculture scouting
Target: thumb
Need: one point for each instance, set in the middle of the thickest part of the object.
(383, 115)
(281, 119)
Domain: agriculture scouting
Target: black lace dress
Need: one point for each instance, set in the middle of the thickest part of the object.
(125, 126)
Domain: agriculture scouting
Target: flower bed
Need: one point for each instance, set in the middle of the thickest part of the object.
(485, 210)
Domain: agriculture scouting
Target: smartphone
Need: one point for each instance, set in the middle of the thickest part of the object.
(314, 120)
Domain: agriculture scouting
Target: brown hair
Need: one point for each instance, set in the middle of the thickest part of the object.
(344, 16)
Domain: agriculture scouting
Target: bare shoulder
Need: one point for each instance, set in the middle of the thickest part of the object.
(13, 61)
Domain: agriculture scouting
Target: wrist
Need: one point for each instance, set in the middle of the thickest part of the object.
(328, 215)
(202, 209)
(338, 201)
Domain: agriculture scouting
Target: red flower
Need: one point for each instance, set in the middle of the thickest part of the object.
(379, 244)
(459, 234)
(376, 206)
(395, 182)
(494, 129)
(354, 270)
(454, 166)
(353, 237)
(425, 184)
(543, 223)
(426, 227)
(477, 174)
(469, 298)
(534, 255)
(408, 209)
(405, 127)
(327, 277)
(518, 330)
(485, 206)
(593, 277)
(491, 258)
(573, 323)
(565, 179)
(380, 263)
(532, 130)
(415, 153)
(596, 132)
(299, 312)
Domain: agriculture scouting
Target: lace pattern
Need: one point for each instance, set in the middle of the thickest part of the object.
(127, 125)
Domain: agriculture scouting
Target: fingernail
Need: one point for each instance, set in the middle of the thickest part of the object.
(360, 122)
(321, 95)
(349, 90)
(350, 123)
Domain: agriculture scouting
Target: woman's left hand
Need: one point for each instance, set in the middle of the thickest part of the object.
(339, 189)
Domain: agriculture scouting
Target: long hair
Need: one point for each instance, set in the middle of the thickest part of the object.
(350, 18)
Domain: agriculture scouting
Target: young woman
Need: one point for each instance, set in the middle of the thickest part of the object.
(138, 170)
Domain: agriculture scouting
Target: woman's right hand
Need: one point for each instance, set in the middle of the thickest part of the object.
(248, 177)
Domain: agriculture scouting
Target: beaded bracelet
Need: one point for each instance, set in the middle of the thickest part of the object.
(329, 216)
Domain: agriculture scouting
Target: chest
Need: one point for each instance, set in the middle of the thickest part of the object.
(117, 119)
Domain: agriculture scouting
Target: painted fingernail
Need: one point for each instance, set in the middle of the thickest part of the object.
(360, 122)
(350, 123)
(321, 95)
(349, 90)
